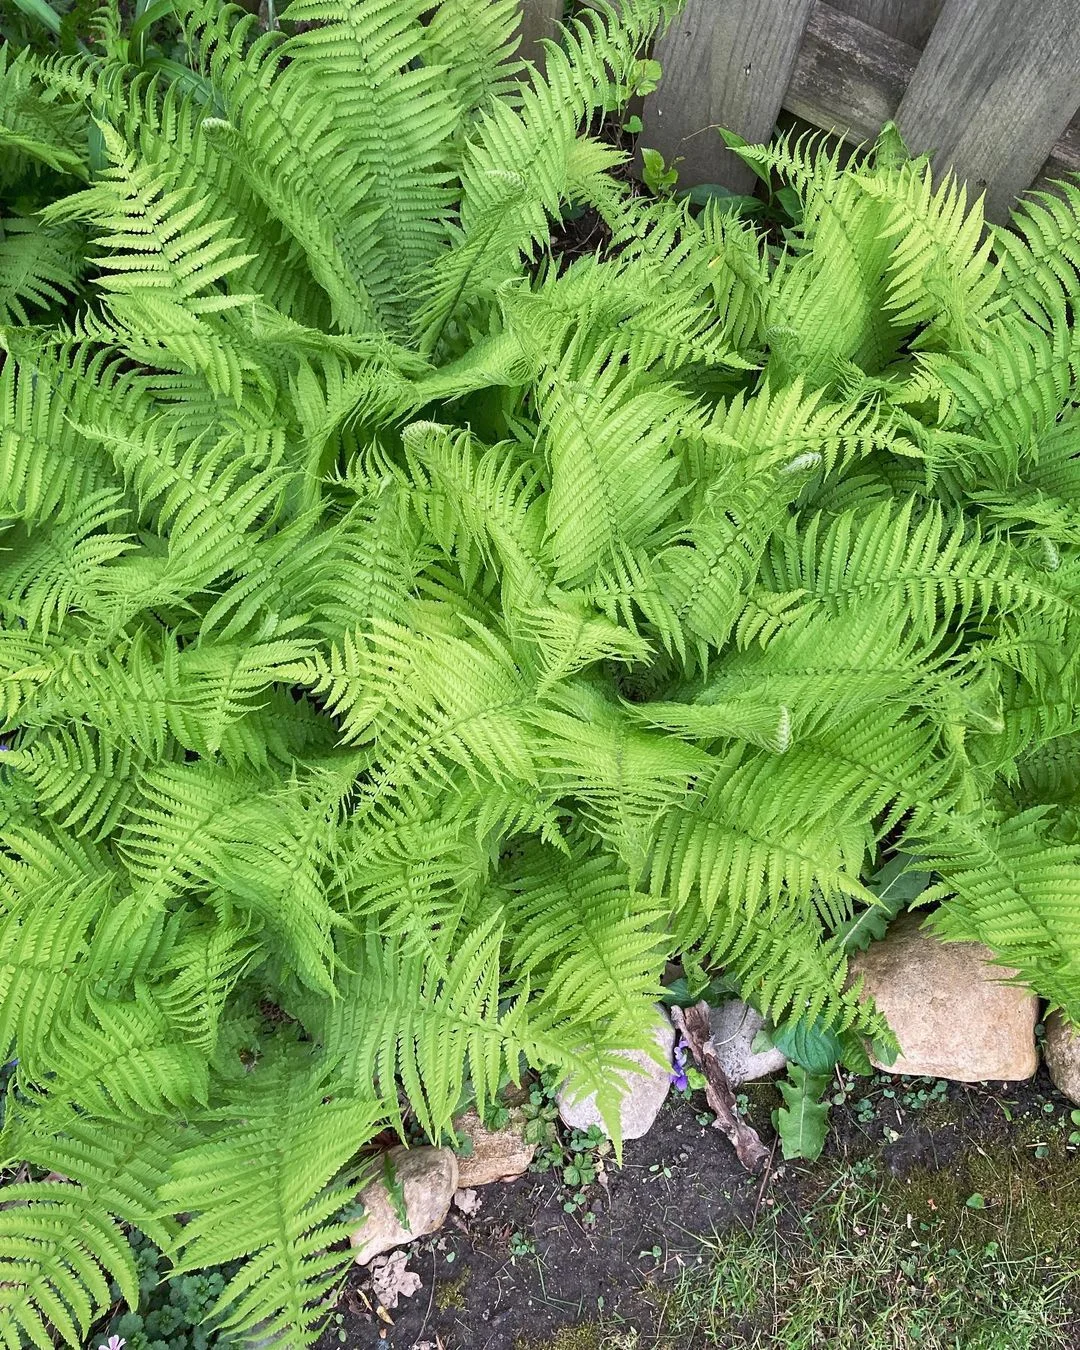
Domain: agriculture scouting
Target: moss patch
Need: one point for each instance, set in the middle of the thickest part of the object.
(1024, 1195)
(588, 1336)
(451, 1293)
(982, 1251)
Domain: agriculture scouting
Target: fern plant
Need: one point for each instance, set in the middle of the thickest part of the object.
(412, 637)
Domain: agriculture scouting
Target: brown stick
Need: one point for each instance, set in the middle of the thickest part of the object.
(693, 1024)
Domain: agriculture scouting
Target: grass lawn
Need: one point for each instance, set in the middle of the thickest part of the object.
(870, 1267)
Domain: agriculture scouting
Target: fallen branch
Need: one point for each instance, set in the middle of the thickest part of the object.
(693, 1025)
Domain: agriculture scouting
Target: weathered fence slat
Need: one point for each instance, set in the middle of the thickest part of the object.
(995, 88)
(539, 19)
(726, 63)
(849, 77)
(993, 91)
(910, 21)
(1065, 156)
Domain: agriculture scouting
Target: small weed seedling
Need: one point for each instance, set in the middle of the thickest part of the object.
(576, 1159)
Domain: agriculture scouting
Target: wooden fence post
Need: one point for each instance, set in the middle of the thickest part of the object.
(997, 85)
(726, 64)
(909, 20)
(539, 19)
(849, 76)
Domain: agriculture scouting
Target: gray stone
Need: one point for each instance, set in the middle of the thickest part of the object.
(1062, 1051)
(429, 1178)
(733, 1026)
(953, 1016)
(642, 1093)
(497, 1155)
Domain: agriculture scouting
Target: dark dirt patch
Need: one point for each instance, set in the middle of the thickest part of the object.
(523, 1274)
(682, 1179)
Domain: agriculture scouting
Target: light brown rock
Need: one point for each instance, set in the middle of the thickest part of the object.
(733, 1026)
(945, 1001)
(429, 1178)
(496, 1155)
(642, 1093)
(1062, 1051)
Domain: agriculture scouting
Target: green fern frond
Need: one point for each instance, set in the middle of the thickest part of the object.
(117, 1058)
(37, 128)
(939, 571)
(588, 940)
(198, 975)
(828, 296)
(621, 778)
(658, 304)
(45, 466)
(939, 273)
(1016, 890)
(63, 568)
(270, 858)
(58, 1251)
(733, 842)
(266, 1188)
(46, 938)
(1040, 252)
(424, 703)
(474, 50)
(489, 503)
(79, 777)
(1003, 400)
(518, 167)
(401, 1017)
(369, 60)
(611, 472)
(40, 267)
(167, 129)
(284, 138)
(163, 255)
(412, 880)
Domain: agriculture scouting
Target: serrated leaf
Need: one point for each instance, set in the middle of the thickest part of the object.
(682, 993)
(802, 1122)
(896, 885)
(814, 1046)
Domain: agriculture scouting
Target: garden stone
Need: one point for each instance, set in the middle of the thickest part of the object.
(497, 1155)
(953, 1016)
(429, 1178)
(733, 1026)
(1062, 1051)
(643, 1093)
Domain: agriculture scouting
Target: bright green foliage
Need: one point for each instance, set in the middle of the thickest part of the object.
(410, 638)
(802, 1122)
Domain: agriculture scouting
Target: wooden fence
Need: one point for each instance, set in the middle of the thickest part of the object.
(993, 86)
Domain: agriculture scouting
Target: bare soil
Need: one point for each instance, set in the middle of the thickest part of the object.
(522, 1269)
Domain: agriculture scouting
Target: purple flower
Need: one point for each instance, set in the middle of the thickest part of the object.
(113, 1343)
(678, 1077)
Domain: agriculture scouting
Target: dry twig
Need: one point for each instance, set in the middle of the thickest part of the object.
(693, 1024)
